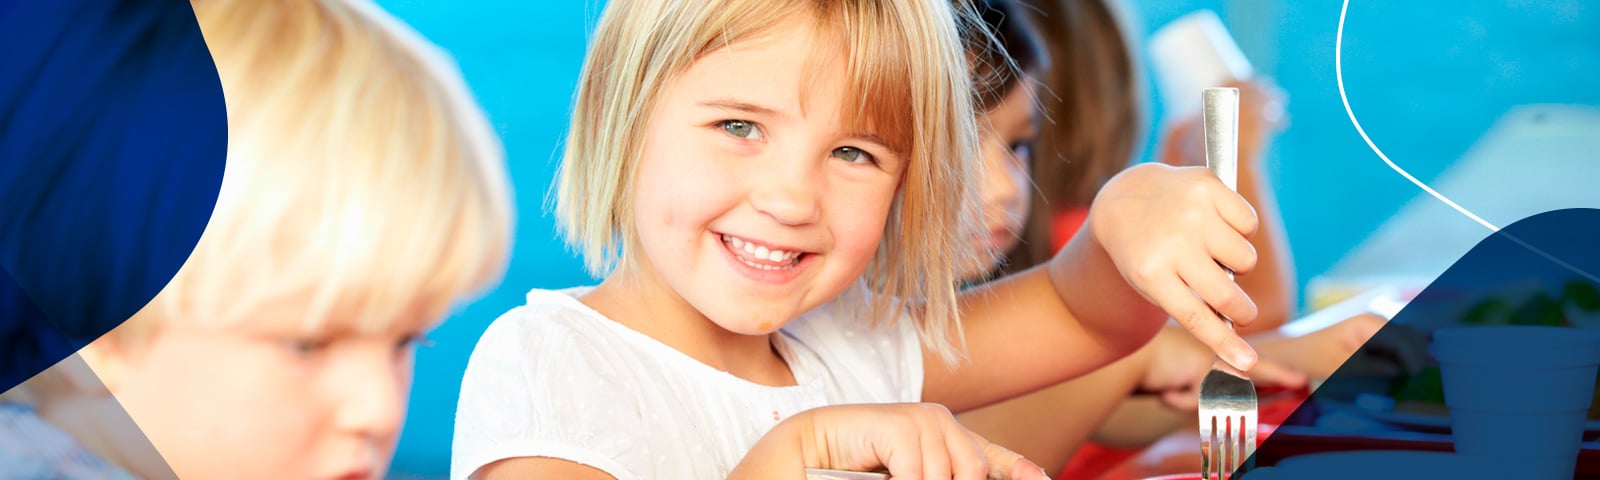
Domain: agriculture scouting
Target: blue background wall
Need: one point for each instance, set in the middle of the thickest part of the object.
(1425, 78)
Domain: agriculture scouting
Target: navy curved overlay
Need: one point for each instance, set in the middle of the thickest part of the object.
(113, 133)
(1390, 394)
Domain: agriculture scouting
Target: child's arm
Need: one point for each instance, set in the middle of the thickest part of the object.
(538, 467)
(909, 440)
(1156, 234)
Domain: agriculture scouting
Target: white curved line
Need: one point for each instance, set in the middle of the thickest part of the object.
(1338, 74)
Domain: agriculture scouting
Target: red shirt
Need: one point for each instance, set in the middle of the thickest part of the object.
(1064, 224)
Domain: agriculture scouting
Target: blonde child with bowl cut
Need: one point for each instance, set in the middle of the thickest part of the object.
(364, 194)
(779, 196)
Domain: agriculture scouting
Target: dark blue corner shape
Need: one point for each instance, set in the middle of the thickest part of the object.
(1499, 282)
(113, 133)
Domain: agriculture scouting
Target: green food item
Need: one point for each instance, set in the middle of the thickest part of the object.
(1583, 295)
(1489, 312)
(1540, 310)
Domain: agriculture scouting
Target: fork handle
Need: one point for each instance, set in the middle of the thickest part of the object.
(1221, 124)
(1220, 120)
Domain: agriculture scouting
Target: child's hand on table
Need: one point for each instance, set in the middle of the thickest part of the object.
(1321, 352)
(909, 440)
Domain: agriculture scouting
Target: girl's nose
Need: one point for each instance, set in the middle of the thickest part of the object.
(791, 196)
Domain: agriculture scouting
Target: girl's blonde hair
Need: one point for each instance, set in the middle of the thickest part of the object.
(908, 84)
(361, 179)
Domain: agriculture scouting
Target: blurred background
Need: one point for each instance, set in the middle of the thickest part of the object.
(1496, 102)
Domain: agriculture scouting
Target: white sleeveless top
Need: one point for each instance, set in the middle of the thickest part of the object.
(554, 378)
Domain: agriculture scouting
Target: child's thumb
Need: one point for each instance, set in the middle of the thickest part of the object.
(1005, 464)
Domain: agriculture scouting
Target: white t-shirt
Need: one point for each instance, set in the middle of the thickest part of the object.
(554, 378)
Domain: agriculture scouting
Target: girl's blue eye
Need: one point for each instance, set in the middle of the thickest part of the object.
(854, 155)
(1023, 151)
(741, 129)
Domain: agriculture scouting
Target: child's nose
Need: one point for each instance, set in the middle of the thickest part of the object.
(999, 184)
(371, 399)
(789, 195)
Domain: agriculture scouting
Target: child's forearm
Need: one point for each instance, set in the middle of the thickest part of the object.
(1102, 301)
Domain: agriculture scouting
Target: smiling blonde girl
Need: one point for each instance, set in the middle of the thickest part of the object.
(778, 196)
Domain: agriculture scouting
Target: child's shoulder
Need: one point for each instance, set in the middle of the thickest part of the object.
(546, 314)
(553, 329)
(551, 339)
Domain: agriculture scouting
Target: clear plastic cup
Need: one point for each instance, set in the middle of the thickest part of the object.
(1192, 53)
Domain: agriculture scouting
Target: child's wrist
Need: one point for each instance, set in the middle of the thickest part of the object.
(803, 427)
(787, 447)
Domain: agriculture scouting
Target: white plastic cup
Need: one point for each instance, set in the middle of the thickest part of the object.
(1190, 54)
(1519, 395)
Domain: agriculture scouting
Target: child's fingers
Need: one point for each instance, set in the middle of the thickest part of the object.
(1231, 249)
(898, 443)
(967, 461)
(1004, 464)
(1236, 211)
(936, 455)
(1196, 317)
(1217, 289)
(905, 464)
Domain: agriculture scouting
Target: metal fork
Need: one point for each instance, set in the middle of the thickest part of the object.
(1227, 396)
(825, 474)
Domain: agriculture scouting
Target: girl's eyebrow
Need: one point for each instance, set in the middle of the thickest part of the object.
(874, 138)
(741, 106)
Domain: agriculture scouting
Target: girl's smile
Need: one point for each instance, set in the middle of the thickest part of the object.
(765, 262)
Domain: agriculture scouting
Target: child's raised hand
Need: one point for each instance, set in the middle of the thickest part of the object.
(1174, 233)
(909, 440)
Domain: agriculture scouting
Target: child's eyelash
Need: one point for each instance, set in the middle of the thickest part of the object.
(861, 155)
(742, 129)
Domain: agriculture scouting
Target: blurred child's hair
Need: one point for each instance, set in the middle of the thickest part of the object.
(1093, 110)
(361, 179)
(1004, 54)
(908, 83)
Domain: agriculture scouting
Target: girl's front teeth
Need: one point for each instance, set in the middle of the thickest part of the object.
(760, 252)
